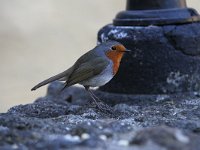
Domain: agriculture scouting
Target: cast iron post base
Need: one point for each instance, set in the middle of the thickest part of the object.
(165, 48)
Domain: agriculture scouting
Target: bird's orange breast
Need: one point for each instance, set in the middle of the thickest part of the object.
(116, 58)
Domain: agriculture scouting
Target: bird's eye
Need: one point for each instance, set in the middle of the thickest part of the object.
(113, 48)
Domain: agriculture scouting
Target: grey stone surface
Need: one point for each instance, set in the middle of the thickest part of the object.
(67, 121)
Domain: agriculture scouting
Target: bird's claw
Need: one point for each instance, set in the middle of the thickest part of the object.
(104, 107)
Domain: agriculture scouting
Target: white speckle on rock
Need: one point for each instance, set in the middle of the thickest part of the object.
(196, 93)
(85, 136)
(89, 123)
(2, 128)
(122, 124)
(194, 102)
(121, 35)
(75, 119)
(176, 78)
(98, 42)
(118, 34)
(67, 128)
(176, 111)
(72, 138)
(128, 127)
(14, 146)
(113, 31)
(103, 37)
(162, 97)
(128, 121)
(103, 137)
(181, 137)
(123, 142)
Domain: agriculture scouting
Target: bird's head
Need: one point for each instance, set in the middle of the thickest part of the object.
(112, 48)
(114, 51)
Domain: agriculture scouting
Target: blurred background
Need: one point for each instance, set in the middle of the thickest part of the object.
(40, 38)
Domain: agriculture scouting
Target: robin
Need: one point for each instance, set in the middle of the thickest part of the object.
(94, 69)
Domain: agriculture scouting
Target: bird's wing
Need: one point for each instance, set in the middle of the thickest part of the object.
(87, 70)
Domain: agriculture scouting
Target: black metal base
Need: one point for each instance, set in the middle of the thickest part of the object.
(164, 59)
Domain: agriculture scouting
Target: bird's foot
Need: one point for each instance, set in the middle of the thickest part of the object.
(100, 105)
(104, 107)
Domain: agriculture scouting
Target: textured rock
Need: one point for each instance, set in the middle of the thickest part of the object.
(164, 59)
(139, 122)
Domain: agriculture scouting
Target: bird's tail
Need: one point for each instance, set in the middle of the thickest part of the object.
(61, 76)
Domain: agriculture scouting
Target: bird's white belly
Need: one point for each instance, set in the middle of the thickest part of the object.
(100, 79)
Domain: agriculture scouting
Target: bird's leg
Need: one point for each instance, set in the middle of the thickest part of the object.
(100, 105)
(93, 97)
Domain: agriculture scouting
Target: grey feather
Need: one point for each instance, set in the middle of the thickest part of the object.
(87, 66)
(62, 75)
(87, 70)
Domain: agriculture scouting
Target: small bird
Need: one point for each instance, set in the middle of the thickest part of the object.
(93, 69)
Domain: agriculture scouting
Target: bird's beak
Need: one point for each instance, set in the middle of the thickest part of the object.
(127, 50)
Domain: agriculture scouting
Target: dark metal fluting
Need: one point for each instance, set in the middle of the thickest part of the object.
(156, 12)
